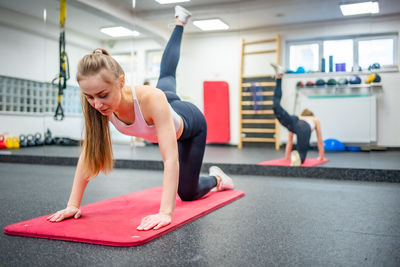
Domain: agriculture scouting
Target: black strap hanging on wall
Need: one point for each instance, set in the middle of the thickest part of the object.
(63, 75)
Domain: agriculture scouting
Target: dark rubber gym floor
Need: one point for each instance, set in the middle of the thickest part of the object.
(280, 222)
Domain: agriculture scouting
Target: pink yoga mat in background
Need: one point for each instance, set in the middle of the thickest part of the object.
(113, 222)
(309, 162)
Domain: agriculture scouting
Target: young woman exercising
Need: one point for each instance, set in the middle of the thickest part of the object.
(301, 126)
(155, 114)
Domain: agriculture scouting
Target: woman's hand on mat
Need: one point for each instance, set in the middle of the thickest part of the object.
(155, 221)
(320, 159)
(68, 212)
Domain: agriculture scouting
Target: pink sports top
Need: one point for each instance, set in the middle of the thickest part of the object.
(139, 127)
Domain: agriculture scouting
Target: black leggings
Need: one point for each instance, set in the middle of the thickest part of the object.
(292, 123)
(192, 143)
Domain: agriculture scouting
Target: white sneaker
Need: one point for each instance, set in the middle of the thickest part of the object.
(295, 158)
(226, 183)
(182, 14)
(279, 70)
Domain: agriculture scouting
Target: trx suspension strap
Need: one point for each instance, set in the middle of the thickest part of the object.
(256, 94)
(63, 76)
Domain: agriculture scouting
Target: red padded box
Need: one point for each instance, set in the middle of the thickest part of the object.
(216, 111)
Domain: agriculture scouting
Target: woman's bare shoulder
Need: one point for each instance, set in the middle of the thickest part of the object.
(149, 96)
(147, 91)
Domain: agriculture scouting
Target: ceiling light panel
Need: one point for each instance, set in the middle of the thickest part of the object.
(211, 25)
(163, 2)
(359, 8)
(119, 32)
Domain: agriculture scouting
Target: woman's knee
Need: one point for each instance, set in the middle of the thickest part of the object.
(186, 195)
(303, 155)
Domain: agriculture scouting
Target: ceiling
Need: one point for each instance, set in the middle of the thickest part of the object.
(152, 19)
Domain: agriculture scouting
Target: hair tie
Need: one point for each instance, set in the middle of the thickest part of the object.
(98, 51)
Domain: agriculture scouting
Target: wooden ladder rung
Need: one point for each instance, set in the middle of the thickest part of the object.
(257, 121)
(251, 103)
(249, 112)
(257, 130)
(260, 52)
(260, 42)
(258, 93)
(258, 76)
(258, 139)
(259, 84)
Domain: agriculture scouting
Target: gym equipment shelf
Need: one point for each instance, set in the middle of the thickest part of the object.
(349, 90)
(257, 122)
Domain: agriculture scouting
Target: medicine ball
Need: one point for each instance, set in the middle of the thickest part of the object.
(373, 78)
(377, 78)
(320, 82)
(343, 81)
(355, 80)
(310, 83)
(300, 84)
(331, 82)
(374, 66)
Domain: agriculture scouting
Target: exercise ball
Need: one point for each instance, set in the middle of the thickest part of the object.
(333, 145)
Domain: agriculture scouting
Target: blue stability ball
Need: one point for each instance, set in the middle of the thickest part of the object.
(300, 70)
(353, 148)
(333, 145)
(355, 80)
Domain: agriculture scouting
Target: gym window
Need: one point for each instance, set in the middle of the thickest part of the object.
(354, 51)
(20, 96)
(304, 55)
(375, 50)
(341, 51)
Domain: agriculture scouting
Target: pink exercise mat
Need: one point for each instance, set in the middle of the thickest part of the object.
(113, 221)
(309, 162)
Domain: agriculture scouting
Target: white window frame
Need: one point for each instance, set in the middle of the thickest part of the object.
(304, 42)
(355, 38)
(393, 36)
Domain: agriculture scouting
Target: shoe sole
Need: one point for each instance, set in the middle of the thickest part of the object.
(295, 159)
(183, 10)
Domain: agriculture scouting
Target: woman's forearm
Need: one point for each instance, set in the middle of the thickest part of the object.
(288, 150)
(321, 150)
(289, 145)
(170, 186)
(79, 185)
(320, 141)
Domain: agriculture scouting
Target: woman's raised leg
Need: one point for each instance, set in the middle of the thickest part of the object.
(170, 57)
(280, 113)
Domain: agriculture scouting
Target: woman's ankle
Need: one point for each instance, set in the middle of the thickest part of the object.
(178, 22)
(218, 180)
